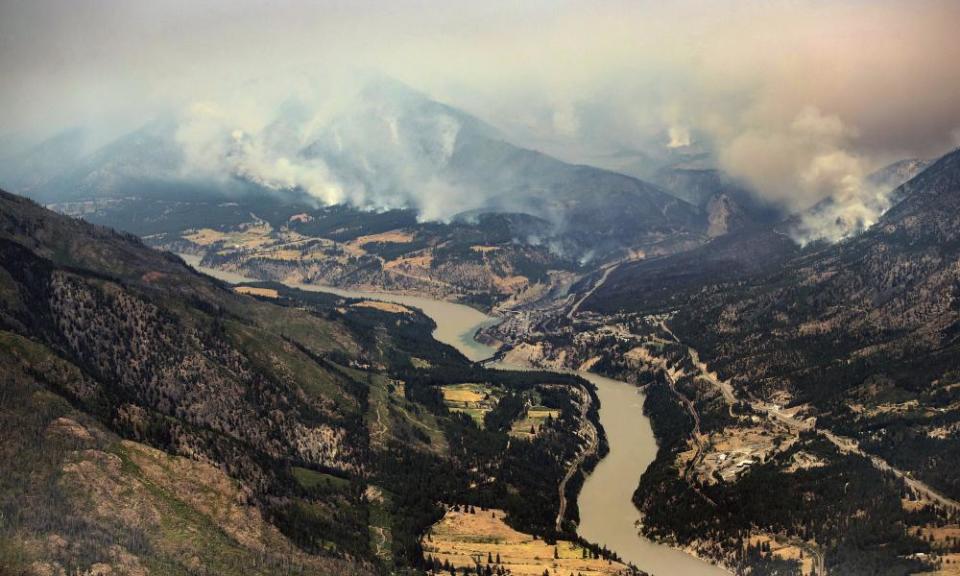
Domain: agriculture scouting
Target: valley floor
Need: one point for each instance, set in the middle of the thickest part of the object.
(731, 438)
(470, 538)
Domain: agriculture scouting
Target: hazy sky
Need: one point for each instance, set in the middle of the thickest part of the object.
(795, 95)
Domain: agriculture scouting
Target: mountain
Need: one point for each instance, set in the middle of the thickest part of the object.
(470, 215)
(806, 401)
(759, 244)
(117, 354)
(893, 176)
(154, 419)
(727, 204)
(144, 165)
(398, 143)
(887, 291)
(865, 331)
(29, 168)
(666, 283)
(840, 216)
(390, 148)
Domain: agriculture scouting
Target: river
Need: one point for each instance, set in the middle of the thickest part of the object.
(607, 514)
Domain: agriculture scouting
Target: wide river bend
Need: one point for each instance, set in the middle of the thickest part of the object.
(607, 514)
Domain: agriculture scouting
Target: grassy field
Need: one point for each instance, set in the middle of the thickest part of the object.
(311, 478)
(248, 236)
(392, 416)
(254, 291)
(475, 400)
(943, 540)
(383, 306)
(534, 419)
(381, 532)
(784, 552)
(464, 540)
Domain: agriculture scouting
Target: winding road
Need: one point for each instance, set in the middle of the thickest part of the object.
(606, 274)
(591, 432)
(844, 444)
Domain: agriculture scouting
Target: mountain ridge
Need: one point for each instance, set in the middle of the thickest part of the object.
(163, 420)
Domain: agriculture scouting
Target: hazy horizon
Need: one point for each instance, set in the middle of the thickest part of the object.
(800, 99)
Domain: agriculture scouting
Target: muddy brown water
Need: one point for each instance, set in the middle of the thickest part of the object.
(607, 514)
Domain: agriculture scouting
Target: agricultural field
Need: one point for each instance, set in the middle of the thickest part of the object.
(383, 306)
(532, 420)
(390, 237)
(949, 566)
(785, 551)
(475, 400)
(467, 539)
(945, 542)
(256, 291)
(247, 236)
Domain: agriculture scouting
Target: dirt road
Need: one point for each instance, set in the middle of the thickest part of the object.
(590, 431)
(603, 279)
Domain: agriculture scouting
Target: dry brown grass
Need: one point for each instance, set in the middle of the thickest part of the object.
(422, 261)
(254, 291)
(461, 393)
(940, 537)
(383, 306)
(785, 551)
(525, 354)
(393, 236)
(913, 505)
(589, 363)
(510, 284)
(463, 539)
(949, 566)
(286, 255)
(484, 249)
(248, 236)
(640, 356)
(205, 236)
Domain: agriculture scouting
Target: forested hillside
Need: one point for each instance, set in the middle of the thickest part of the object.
(159, 420)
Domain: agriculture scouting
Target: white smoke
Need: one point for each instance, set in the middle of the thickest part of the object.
(852, 206)
(219, 144)
(566, 120)
(255, 162)
(712, 73)
(386, 156)
(679, 137)
(809, 163)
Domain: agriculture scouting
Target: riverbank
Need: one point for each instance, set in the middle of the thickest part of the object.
(607, 514)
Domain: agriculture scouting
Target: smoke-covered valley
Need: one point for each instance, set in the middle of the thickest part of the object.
(771, 95)
(395, 286)
(385, 147)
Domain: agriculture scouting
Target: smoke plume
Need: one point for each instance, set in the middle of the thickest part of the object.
(801, 99)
